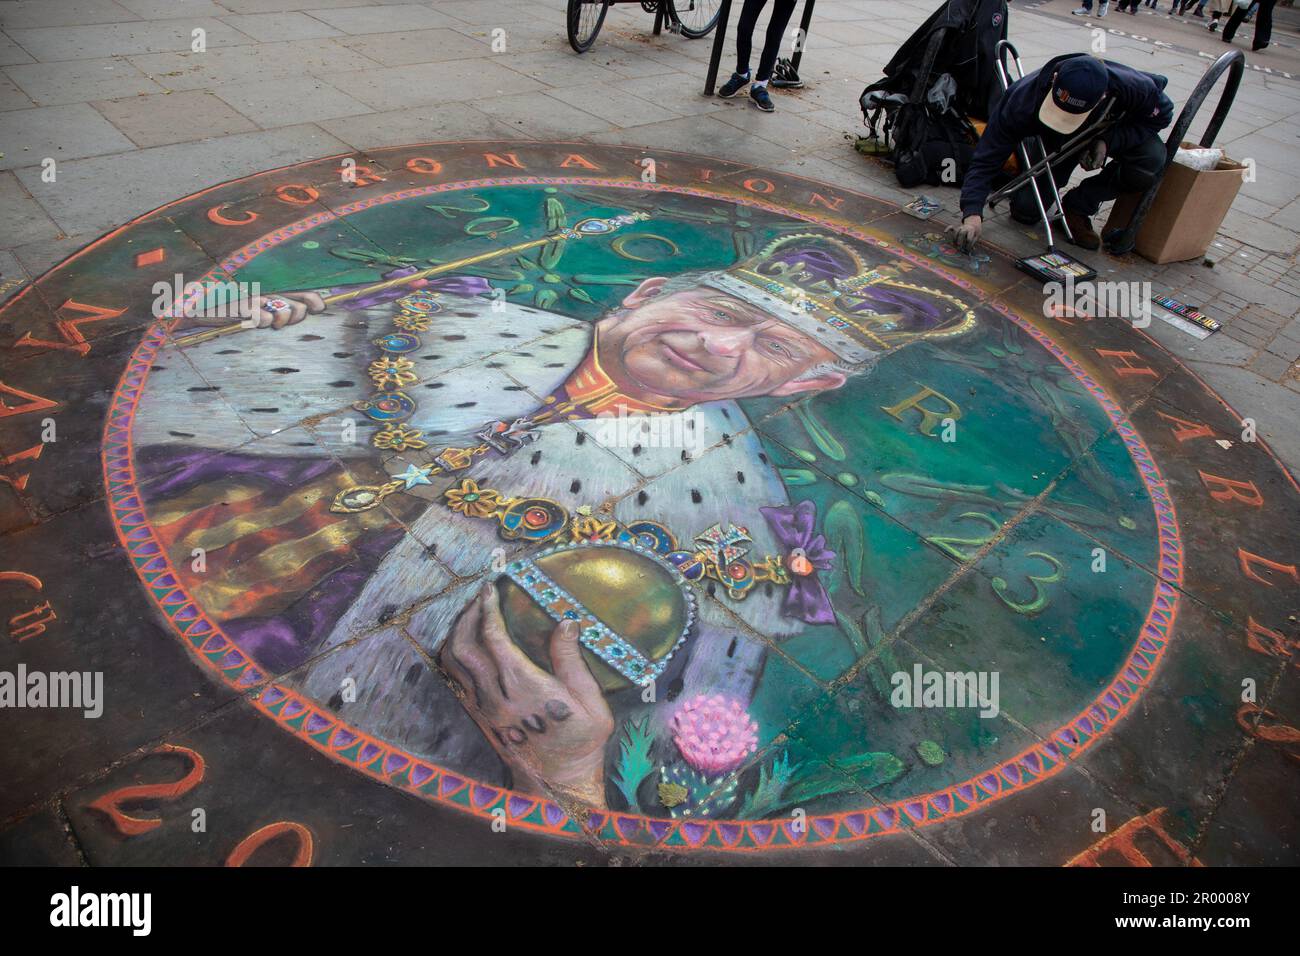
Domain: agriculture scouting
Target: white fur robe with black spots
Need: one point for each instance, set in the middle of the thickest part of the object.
(254, 389)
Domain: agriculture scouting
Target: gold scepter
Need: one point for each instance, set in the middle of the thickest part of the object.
(591, 226)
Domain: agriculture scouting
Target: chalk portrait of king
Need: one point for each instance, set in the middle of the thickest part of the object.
(508, 539)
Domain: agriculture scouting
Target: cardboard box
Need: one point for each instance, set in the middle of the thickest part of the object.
(1187, 212)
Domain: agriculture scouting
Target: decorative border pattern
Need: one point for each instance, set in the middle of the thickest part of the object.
(325, 732)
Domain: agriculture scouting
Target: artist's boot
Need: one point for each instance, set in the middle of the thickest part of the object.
(1081, 229)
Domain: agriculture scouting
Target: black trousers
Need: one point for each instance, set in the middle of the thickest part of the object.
(782, 10)
(1126, 171)
(1263, 23)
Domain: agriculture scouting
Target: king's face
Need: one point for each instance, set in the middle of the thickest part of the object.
(701, 345)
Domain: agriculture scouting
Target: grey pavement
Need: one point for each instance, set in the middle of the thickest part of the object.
(134, 116)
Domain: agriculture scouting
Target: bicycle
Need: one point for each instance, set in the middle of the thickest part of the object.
(691, 18)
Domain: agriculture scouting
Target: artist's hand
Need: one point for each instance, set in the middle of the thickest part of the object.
(549, 729)
(1094, 157)
(965, 236)
(278, 310)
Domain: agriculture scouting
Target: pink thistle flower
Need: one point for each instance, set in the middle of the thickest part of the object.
(714, 734)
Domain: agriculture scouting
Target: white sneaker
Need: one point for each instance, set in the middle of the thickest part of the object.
(1103, 9)
(1082, 12)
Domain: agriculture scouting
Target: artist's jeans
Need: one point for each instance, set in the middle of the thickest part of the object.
(1129, 171)
(781, 13)
(1263, 23)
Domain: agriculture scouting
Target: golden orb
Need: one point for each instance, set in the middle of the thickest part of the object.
(633, 608)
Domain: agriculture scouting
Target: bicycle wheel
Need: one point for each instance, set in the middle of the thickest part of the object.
(584, 20)
(695, 18)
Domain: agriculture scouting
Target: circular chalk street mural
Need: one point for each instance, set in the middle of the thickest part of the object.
(680, 505)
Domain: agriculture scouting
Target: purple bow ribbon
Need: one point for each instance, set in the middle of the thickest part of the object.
(805, 599)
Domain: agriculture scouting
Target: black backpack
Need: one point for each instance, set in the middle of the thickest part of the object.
(931, 146)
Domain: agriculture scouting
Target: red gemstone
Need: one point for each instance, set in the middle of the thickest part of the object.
(536, 517)
(737, 571)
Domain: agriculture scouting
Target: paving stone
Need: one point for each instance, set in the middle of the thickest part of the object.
(391, 18)
(1256, 790)
(784, 127)
(541, 115)
(1254, 208)
(1257, 397)
(1221, 348)
(241, 64)
(1259, 233)
(287, 101)
(40, 255)
(53, 84)
(428, 84)
(364, 808)
(272, 27)
(583, 73)
(610, 103)
(1277, 301)
(1272, 187)
(1270, 366)
(413, 125)
(25, 221)
(1246, 334)
(166, 118)
(164, 9)
(522, 35)
(61, 13)
(11, 97)
(1285, 346)
(61, 133)
(631, 64)
(145, 179)
(10, 267)
(11, 52)
(1272, 156)
(86, 638)
(281, 6)
(123, 39)
(1253, 327)
(42, 839)
(681, 133)
(415, 46)
(485, 12)
(1288, 217)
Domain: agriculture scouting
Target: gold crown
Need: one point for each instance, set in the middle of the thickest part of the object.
(822, 286)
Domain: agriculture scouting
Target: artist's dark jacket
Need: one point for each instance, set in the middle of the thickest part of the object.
(1140, 103)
